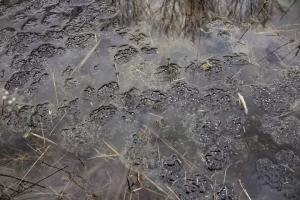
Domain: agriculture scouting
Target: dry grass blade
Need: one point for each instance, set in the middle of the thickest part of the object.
(243, 102)
(225, 174)
(245, 191)
(85, 58)
(44, 138)
(32, 166)
(189, 163)
(104, 156)
(155, 192)
(111, 148)
(55, 90)
(159, 188)
(57, 123)
(173, 192)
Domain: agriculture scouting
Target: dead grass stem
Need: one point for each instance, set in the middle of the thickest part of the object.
(85, 58)
(33, 166)
(244, 190)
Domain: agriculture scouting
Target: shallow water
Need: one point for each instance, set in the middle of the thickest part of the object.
(139, 99)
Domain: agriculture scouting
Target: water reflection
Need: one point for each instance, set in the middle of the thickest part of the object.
(184, 18)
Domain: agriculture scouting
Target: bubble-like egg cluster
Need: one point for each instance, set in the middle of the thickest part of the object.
(7, 98)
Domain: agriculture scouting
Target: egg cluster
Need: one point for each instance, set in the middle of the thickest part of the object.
(7, 98)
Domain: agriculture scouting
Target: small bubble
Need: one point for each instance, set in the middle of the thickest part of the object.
(10, 102)
(4, 97)
(6, 92)
(13, 99)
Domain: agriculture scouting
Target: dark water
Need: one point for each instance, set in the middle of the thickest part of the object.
(143, 99)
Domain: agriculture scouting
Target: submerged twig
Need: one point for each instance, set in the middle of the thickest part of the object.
(40, 180)
(71, 176)
(33, 184)
(298, 47)
(253, 21)
(288, 9)
(291, 41)
(244, 33)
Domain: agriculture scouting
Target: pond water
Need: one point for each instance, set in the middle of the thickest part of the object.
(153, 99)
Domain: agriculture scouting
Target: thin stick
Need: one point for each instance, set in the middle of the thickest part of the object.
(288, 9)
(54, 84)
(8, 176)
(298, 47)
(245, 191)
(6, 162)
(85, 58)
(277, 49)
(70, 176)
(252, 22)
(244, 33)
(42, 180)
(32, 166)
